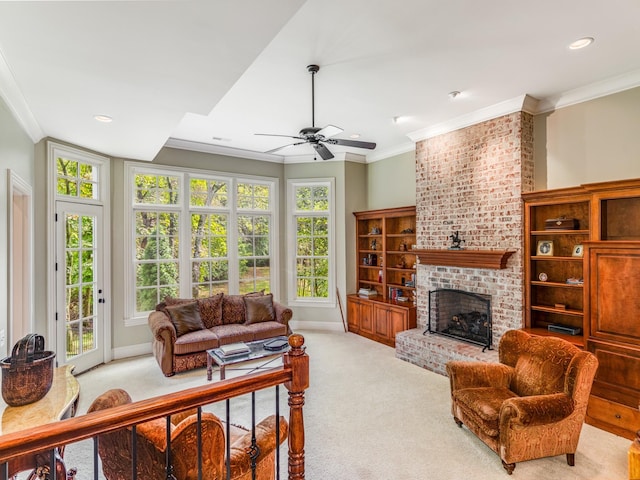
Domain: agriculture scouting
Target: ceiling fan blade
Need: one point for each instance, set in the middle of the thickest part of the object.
(322, 151)
(329, 131)
(276, 135)
(351, 143)
(274, 150)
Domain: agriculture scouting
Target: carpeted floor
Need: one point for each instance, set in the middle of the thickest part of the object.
(368, 416)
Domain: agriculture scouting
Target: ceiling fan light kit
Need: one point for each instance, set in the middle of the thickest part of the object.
(318, 137)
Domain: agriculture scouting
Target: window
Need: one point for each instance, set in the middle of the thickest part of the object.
(196, 234)
(209, 200)
(157, 222)
(75, 178)
(254, 233)
(311, 221)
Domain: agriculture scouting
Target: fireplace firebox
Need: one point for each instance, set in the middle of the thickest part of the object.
(462, 315)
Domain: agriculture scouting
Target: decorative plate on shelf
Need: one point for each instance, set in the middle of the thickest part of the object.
(543, 277)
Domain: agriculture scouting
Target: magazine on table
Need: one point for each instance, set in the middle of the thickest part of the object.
(234, 348)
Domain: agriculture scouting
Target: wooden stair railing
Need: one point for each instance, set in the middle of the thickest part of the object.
(294, 374)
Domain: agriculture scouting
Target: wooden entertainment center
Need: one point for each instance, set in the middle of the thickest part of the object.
(387, 270)
(582, 276)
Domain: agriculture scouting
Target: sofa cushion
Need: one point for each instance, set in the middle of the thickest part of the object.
(482, 405)
(258, 308)
(185, 317)
(233, 309)
(194, 342)
(263, 330)
(211, 310)
(232, 333)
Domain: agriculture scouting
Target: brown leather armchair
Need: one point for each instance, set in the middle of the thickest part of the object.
(114, 448)
(530, 405)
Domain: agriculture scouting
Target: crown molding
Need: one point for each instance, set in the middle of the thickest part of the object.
(337, 157)
(222, 150)
(391, 152)
(17, 104)
(606, 87)
(507, 107)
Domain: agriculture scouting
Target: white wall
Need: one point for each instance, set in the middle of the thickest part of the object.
(17, 154)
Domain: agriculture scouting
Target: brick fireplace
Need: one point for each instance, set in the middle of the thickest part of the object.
(470, 181)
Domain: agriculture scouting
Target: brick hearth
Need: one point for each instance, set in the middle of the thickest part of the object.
(471, 181)
(433, 351)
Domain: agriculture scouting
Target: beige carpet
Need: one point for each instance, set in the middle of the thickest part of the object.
(368, 415)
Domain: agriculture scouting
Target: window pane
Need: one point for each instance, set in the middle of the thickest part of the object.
(208, 193)
(156, 189)
(303, 198)
(76, 179)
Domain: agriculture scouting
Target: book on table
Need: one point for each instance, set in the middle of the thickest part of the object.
(234, 348)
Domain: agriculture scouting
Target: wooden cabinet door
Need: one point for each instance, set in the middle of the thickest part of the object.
(381, 320)
(366, 317)
(353, 314)
(614, 291)
(397, 322)
(359, 315)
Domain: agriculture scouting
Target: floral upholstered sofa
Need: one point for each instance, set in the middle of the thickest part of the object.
(184, 329)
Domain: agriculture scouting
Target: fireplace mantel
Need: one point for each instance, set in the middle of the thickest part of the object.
(495, 259)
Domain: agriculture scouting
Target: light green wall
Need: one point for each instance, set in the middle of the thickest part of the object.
(594, 141)
(392, 182)
(17, 154)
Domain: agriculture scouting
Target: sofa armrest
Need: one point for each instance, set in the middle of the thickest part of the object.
(283, 315)
(265, 439)
(478, 374)
(164, 335)
(535, 410)
(161, 327)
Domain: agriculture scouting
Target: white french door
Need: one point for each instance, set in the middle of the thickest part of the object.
(80, 285)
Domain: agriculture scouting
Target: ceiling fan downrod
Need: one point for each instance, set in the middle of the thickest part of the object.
(313, 69)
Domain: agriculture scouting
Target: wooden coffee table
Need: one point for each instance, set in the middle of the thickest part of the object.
(257, 352)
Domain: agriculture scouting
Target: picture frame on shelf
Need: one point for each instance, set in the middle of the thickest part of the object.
(545, 248)
(577, 251)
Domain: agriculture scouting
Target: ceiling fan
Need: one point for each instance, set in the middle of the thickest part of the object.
(318, 137)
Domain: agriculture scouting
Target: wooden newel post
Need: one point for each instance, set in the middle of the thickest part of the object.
(298, 361)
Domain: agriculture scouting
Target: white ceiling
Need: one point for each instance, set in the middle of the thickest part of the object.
(184, 72)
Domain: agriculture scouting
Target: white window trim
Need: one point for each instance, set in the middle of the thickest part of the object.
(292, 300)
(184, 209)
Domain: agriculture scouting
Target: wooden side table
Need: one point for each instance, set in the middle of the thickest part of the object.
(61, 401)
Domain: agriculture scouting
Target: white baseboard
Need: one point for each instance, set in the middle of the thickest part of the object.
(311, 325)
(131, 351)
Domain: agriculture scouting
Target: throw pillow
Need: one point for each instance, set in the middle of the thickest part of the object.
(259, 308)
(185, 317)
(211, 310)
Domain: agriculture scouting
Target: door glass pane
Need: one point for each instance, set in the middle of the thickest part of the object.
(81, 283)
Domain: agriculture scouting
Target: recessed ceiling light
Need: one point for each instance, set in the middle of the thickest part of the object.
(354, 135)
(220, 139)
(400, 119)
(454, 94)
(581, 43)
(103, 118)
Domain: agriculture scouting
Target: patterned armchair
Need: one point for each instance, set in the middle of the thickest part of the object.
(114, 448)
(530, 405)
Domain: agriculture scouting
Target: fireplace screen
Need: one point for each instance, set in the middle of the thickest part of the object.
(462, 315)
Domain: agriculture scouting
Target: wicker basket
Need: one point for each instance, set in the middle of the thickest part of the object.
(27, 374)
